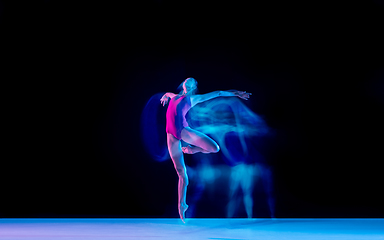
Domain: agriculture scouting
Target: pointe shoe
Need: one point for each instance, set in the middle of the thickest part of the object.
(182, 210)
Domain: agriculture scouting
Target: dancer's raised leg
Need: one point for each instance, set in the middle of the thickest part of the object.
(200, 142)
(174, 148)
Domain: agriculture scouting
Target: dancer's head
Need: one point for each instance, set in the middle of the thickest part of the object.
(189, 86)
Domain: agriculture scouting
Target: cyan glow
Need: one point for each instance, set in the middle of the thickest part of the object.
(197, 228)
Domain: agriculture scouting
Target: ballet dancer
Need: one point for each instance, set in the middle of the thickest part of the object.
(177, 129)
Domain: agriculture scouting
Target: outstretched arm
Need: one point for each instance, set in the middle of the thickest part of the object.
(195, 99)
(165, 98)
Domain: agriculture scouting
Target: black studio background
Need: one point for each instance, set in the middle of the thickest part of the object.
(77, 76)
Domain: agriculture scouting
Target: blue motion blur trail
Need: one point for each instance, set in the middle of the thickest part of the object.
(216, 118)
(152, 126)
(237, 130)
(225, 116)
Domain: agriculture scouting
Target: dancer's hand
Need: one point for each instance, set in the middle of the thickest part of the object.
(242, 94)
(164, 99)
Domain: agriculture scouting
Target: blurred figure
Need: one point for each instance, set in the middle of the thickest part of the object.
(203, 176)
(244, 176)
(177, 129)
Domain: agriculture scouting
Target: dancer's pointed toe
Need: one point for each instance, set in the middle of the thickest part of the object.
(182, 209)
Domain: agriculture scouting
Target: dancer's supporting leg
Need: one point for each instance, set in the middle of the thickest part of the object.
(200, 141)
(174, 148)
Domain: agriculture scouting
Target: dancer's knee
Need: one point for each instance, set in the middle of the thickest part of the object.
(214, 148)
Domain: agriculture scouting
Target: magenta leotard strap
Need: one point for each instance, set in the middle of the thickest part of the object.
(177, 109)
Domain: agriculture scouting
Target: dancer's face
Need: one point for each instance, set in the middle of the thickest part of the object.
(189, 84)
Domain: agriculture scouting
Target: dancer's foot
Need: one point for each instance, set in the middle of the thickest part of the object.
(193, 149)
(187, 149)
(182, 209)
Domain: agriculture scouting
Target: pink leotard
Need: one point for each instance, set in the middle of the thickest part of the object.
(177, 109)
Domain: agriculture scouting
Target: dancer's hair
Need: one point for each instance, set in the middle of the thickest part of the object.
(180, 87)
